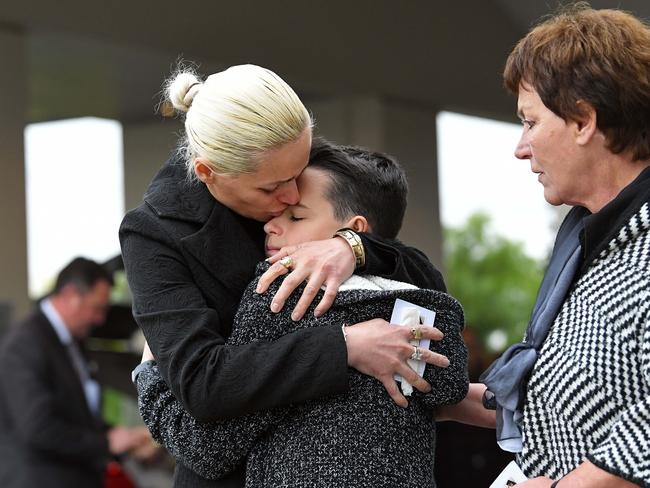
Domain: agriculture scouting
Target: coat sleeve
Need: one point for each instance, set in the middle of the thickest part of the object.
(450, 384)
(28, 392)
(625, 452)
(212, 449)
(216, 448)
(393, 260)
(212, 379)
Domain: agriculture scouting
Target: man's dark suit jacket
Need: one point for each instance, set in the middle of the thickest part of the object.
(48, 436)
(188, 260)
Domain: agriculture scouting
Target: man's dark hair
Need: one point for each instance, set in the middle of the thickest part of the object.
(363, 182)
(83, 274)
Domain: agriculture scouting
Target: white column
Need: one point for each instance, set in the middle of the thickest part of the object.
(14, 300)
(410, 136)
(146, 147)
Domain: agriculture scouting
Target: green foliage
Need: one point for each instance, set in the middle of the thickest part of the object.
(492, 277)
(120, 294)
(119, 408)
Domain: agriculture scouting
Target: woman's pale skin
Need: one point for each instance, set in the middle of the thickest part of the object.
(373, 347)
(575, 167)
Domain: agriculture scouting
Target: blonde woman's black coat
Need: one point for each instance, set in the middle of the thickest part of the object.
(188, 260)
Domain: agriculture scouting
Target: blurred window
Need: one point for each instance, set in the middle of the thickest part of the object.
(75, 194)
(479, 172)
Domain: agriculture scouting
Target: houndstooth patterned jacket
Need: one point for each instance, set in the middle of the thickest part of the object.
(589, 394)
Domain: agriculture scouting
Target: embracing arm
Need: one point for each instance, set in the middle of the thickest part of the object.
(327, 263)
(470, 410)
(212, 449)
(212, 379)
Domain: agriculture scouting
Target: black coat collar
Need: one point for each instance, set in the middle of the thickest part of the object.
(600, 228)
(223, 236)
(172, 194)
(228, 245)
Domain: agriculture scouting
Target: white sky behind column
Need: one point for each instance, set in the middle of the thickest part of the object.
(75, 194)
(478, 172)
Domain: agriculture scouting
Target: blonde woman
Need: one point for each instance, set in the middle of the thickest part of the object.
(192, 246)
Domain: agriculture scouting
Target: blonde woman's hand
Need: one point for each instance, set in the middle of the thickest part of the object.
(379, 349)
(329, 262)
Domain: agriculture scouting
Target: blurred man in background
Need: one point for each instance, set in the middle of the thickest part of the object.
(51, 432)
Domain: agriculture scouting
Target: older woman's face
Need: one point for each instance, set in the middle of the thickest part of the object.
(272, 188)
(549, 143)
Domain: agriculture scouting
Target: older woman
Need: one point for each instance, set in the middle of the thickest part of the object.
(191, 248)
(574, 398)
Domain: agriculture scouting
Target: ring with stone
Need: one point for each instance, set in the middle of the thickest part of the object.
(416, 333)
(287, 262)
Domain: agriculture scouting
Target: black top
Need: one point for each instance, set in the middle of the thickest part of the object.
(600, 228)
(188, 259)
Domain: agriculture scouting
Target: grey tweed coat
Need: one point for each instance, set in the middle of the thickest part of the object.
(360, 438)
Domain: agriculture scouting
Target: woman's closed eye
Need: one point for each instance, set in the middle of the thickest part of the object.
(293, 218)
(268, 190)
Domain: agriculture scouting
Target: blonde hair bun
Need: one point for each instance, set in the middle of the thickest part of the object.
(182, 89)
(235, 116)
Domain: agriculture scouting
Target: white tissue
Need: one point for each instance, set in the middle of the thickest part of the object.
(410, 318)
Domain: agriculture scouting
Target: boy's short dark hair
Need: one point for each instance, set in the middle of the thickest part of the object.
(83, 274)
(366, 183)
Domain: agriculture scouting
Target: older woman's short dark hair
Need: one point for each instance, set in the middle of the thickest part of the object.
(367, 183)
(601, 57)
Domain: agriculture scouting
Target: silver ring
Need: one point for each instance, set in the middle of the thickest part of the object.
(287, 262)
(417, 354)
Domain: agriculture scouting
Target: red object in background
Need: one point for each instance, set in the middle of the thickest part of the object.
(116, 477)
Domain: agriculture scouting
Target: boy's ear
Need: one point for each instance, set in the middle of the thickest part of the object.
(358, 223)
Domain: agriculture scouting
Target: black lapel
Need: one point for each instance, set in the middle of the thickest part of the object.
(228, 246)
(172, 195)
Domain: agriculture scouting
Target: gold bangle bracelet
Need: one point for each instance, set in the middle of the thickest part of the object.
(353, 239)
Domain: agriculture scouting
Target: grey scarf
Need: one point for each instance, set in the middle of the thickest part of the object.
(507, 376)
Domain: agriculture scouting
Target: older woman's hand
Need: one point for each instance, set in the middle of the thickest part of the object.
(329, 262)
(540, 482)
